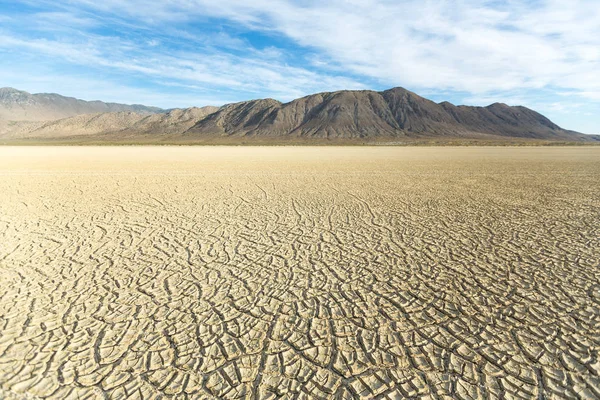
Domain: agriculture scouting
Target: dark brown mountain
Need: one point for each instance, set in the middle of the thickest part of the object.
(367, 114)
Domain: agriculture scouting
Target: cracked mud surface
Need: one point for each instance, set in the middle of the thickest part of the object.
(299, 272)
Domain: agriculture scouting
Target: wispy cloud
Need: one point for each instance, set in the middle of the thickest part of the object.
(256, 72)
(59, 20)
(466, 45)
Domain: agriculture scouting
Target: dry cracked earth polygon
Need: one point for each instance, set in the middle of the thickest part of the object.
(199, 273)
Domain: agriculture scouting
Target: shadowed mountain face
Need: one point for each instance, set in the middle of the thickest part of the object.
(17, 105)
(364, 115)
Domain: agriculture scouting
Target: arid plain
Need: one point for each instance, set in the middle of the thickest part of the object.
(299, 272)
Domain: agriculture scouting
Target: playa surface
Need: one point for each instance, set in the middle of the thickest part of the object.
(315, 272)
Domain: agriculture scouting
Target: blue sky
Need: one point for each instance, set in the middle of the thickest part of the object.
(543, 54)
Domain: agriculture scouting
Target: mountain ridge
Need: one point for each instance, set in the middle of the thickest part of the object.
(395, 112)
(357, 115)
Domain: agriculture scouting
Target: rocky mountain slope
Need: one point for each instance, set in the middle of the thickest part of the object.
(367, 114)
(345, 115)
(17, 105)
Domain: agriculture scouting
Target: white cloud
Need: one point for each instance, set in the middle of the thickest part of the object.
(464, 45)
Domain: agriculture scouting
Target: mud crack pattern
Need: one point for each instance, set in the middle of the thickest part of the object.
(198, 273)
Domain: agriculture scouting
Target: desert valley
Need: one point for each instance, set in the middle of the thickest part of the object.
(299, 272)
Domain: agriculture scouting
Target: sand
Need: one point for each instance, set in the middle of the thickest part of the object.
(233, 272)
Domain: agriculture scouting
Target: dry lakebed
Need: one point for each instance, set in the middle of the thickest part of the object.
(299, 272)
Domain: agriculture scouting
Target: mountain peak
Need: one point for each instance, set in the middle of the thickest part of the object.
(401, 91)
(7, 93)
(8, 89)
(499, 105)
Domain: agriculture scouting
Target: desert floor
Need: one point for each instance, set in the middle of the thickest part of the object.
(236, 272)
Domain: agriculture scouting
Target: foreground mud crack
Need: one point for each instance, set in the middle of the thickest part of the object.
(198, 273)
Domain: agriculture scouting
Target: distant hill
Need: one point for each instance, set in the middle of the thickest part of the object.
(173, 122)
(17, 105)
(395, 115)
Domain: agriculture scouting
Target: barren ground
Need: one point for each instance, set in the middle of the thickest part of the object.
(234, 272)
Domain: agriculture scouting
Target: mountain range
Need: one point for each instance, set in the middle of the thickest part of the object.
(18, 105)
(358, 116)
